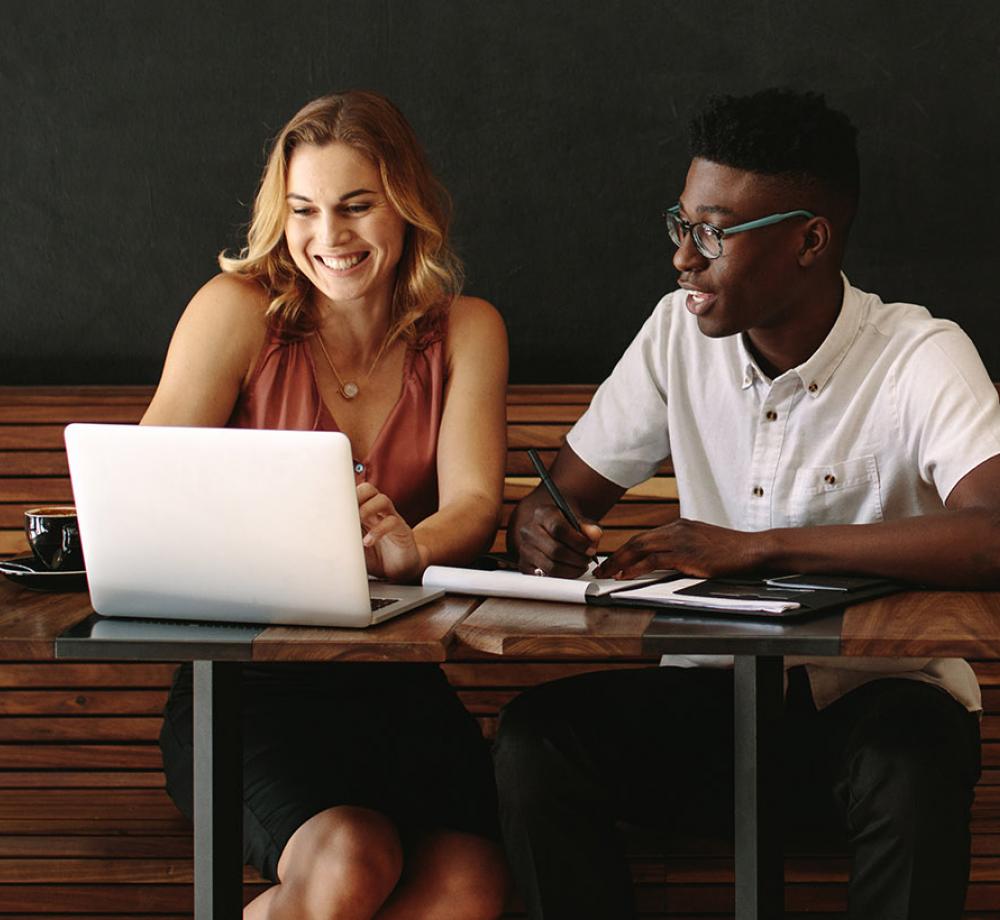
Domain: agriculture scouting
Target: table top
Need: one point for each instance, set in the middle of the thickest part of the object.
(910, 624)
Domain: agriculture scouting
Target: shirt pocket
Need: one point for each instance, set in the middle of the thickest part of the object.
(838, 493)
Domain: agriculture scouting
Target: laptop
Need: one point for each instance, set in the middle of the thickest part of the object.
(225, 524)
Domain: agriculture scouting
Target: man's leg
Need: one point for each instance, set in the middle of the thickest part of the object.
(907, 759)
(652, 745)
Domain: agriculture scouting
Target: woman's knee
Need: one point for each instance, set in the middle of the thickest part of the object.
(345, 861)
(456, 876)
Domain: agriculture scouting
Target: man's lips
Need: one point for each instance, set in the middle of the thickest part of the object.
(698, 302)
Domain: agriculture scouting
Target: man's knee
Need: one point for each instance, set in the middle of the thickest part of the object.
(523, 745)
(918, 771)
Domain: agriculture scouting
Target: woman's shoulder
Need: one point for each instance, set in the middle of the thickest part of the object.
(227, 315)
(231, 304)
(473, 317)
(233, 298)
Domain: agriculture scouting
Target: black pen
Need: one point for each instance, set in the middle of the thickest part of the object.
(557, 497)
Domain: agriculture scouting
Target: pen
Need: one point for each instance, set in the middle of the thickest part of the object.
(557, 497)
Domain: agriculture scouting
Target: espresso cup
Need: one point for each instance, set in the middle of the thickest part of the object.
(54, 537)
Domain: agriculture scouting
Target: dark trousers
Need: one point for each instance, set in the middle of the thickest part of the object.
(891, 765)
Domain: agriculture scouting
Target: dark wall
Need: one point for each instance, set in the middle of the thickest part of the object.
(133, 136)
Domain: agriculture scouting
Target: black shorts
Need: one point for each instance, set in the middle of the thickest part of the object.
(391, 737)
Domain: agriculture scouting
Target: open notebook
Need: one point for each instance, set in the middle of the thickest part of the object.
(666, 588)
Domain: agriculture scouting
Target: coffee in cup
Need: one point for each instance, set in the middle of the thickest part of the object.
(54, 537)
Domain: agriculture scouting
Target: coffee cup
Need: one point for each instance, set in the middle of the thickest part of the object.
(54, 537)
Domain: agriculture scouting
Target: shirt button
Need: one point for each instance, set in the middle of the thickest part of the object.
(812, 388)
(771, 415)
(359, 467)
(829, 479)
(758, 491)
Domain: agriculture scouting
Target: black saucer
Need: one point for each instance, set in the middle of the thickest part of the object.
(28, 572)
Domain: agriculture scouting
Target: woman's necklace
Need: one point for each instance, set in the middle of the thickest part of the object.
(349, 389)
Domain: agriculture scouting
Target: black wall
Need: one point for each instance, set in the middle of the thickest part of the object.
(133, 134)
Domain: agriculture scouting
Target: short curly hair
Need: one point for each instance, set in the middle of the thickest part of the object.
(782, 133)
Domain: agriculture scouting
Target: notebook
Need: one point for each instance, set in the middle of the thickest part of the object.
(223, 524)
(788, 596)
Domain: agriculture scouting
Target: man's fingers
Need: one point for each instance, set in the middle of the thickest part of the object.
(624, 559)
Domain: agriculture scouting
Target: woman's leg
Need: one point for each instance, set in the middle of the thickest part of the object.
(341, 864)
(450, 875)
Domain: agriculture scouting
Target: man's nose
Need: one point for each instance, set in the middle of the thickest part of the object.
(687, 258)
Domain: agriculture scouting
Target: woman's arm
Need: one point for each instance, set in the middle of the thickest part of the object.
(211, 354)
(472, 442)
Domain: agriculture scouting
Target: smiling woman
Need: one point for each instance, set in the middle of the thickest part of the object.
(368, 790)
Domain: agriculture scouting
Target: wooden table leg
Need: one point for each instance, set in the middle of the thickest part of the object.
(218, 792)
(760, 881)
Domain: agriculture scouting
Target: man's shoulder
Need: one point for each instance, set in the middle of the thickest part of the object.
(900, 319)
(917, 349)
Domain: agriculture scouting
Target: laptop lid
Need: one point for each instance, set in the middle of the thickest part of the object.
(219, 524)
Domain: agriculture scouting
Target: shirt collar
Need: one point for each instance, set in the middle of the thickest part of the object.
(815, 372)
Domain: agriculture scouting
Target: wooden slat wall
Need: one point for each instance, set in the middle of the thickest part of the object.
(33, 462)
(86, 829)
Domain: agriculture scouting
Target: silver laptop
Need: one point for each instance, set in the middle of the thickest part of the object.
(225, 524)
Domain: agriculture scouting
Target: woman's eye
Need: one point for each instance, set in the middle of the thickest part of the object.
(356, 209)
(302, 212)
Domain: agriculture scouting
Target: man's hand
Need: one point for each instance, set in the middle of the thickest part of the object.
(691, 547)
(547, 542)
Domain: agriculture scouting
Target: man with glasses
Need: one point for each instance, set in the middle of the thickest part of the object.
(812, 428)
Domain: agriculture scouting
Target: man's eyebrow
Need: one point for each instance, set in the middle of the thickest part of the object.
(354, 194)
(714, 209)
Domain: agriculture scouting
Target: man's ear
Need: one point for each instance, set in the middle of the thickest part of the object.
(815, 240)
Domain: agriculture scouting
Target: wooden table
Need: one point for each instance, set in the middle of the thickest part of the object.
(938, 624)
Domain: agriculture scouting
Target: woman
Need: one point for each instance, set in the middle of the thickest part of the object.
(367, 788)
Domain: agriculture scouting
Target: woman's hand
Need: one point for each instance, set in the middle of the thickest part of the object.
(391, 551)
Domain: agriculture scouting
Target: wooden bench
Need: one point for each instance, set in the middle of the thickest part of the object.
(85, 823)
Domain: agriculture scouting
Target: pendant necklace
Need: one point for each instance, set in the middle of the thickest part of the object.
(348, 389)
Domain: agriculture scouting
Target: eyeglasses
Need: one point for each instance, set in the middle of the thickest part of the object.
(708, 238)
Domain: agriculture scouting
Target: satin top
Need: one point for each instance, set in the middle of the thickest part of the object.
(402, 463)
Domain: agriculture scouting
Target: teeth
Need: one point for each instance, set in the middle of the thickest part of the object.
(341, 264)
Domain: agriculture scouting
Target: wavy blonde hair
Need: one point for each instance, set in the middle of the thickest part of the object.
(429, 275)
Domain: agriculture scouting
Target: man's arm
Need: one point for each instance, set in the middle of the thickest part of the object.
(541, 536)
(959, 548)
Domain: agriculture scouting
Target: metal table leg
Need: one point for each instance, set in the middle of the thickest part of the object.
(760, 880)
(218, 792)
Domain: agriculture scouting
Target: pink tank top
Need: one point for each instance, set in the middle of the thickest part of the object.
(402, 463)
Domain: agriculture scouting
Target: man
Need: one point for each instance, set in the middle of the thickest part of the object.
(812, 428)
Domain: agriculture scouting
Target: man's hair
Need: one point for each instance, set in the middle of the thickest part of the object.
(777, 132)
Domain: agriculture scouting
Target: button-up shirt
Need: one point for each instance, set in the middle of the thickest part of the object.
(880, 423)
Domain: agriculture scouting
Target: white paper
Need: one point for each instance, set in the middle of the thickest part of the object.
(666, 593)
(516, 584)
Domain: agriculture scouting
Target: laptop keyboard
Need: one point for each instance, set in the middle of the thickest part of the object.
(379, 602)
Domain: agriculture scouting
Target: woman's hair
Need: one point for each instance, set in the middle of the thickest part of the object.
(429, 275)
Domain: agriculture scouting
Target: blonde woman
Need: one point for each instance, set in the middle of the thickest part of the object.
(367, 787)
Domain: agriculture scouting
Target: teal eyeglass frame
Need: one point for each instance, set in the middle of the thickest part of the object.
(676, 224)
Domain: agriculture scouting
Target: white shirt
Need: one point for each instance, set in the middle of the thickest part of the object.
(880, 423)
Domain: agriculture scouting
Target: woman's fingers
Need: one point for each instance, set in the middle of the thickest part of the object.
(380, 528)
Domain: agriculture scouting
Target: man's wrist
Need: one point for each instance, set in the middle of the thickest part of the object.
(772, 550)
